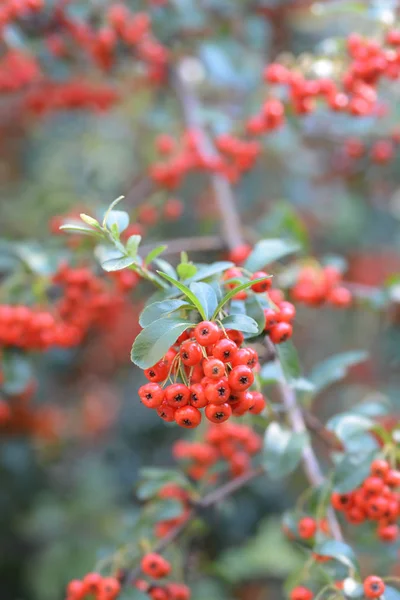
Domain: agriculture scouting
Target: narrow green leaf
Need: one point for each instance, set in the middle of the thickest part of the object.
(116, 264)
(241, 323)
(335, 368)
(206, 296)
(339, 551)
(155, 311)
(132, 245)
(154, 253)
(186, 291)
(155, 340)
(282, 450)
(266, 252)
(110, 208)
(166, 267)
(232, 293)
(289, 360)
(90, 221)
(80, 229)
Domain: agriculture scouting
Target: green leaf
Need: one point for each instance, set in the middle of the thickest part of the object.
(169, 509)
(266, 252)
(109, 209)
(335, 368)
(241, 323)
(352, 469)
(81, 229)
(155, 311)
(282, 450)
(149, 488)
(232, 293)
(206, 296)
(186, 291)
(155, 340)
(186, 270)
(166, 267)
(116, 264)
(350, 428)
(339, 551)
(118, 219)
(154, 253)
(132, 245)
(255, 310)
(289, 360)
(90, 221)
(207, 271)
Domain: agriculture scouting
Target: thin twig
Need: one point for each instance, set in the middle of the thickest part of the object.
(230, 220)
(139, 191)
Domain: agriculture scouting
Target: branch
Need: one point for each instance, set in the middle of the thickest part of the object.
(230, 220)
(188, 244)
(139, 191)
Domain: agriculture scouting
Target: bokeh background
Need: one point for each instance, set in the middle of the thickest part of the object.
(67, 497)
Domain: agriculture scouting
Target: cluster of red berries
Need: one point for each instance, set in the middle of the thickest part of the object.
(373, 586)
(217, 372)
(230, 442)
(93, 585)
(157, 567)
(316, 285)
(377, 500)
(74, 94)
(234, 158)
(12, 10)
(175, 492)
(17, 71)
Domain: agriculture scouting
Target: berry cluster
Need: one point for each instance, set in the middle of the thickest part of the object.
(235, 157)
(12, 10)
(157, 567)
(217, 374)
(172, 490)
(316, 285)
(377, 499)
(93, 585)
(232, 443)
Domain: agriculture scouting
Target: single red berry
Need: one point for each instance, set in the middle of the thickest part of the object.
(177, 395)
(340, 297)
(76, 589)
(151, 394)
(280, 332)
(207, 333)
(287, 312)
(235, 336)
(92, 583)
(261, 286)
(243, 405)
(242, 357)
(188, 416)
(218, 413)
(190, 353)
(110, 588)
(388, 533)
(307, 528)
(158, 593)
(155, 565)
(392, 478)
(240, 378)
(258, 403)
(239, 254)
(301, 593)
(373, 586)
(239, 463)
(271, 319)
(157, 372)
(214, 368)
(178, 591)
(373, 485)
(225, 350)
(379, 468)
(166, 412)
(218, 392)
(197, 396)
(341, 501)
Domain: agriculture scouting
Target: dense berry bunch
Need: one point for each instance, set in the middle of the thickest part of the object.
(74, 94)
(316, 285)
(93, 585)
(232, 443)
(216, 375)
(377, 500)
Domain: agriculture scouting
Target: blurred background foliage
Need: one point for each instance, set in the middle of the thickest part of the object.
(66, 502)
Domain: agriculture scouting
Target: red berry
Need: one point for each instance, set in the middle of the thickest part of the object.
(188, 416)
(261, 286)
(373, 485)
(301, 593)
(271, 319)
(392, 478)
(207, 333)
(280, 332)
(197, 396)
(178, 591)
(218, 392)
(388, 533)
(373, 586)
(158, 593)
(340, 297)
(151, 394)
(177, 395)
(258, 403)
(379, 468)
(239, 254)
(287, 312)
(157, 372)
(225, 350)
(240, 378)
(218, 413)
(155, 565)
(307, 528)
(341, 501)
(242, 357)
(166, 412)
(190, 353)
(214, 368)
(76, 589)
(235, 336)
